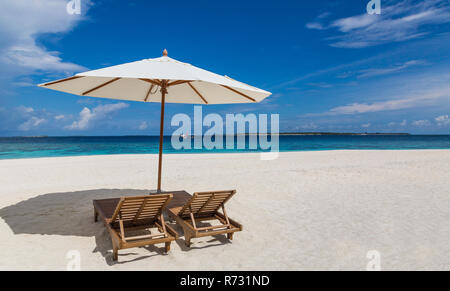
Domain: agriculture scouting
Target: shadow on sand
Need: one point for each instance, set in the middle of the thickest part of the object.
(72, 214)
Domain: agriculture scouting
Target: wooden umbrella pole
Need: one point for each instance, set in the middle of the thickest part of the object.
(161, 131)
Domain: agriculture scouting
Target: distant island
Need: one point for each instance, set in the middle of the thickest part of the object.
(338, 133)
(344, 133)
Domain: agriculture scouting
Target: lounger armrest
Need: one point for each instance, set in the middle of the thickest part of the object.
(170, 230)
(232, 222)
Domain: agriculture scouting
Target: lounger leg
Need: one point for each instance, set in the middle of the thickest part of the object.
(230, 236)
(167, 247)
(187, 239)
(115, 253)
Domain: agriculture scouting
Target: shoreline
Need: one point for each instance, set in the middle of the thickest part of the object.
(220, 153)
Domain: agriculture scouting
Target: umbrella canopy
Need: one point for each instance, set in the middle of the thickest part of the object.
(139, 81)
(159, 80)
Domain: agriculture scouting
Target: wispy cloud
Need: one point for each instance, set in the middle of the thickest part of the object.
(316, 74)
(320, 85)
(442, 120)
(317, 23)
(32, 123)
(88, 118)
(394, 104)
(143, 125)
(354, 22)
(24, 109)
(402, 123)
(385, 71)
(405, 56)
(397, 22)
(37, 58)
(422, 122)
(350, 67)
(310, 125)
(30, 118)
(22, 84)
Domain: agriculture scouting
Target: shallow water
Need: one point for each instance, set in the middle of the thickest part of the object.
(34, 147)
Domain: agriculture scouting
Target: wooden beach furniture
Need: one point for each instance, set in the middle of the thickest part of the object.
(189, 210)
(138, 214)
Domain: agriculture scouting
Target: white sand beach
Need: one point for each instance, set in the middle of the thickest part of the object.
(303, 211)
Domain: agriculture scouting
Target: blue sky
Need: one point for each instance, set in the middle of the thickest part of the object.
(329, 64)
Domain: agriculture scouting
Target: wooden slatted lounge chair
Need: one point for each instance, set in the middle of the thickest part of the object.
(135, 214)
(188, 210)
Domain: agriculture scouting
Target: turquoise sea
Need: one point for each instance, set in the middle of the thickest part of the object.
(34, 147)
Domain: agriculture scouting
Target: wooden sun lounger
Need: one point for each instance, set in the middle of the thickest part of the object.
(138, 213)
(187, 210)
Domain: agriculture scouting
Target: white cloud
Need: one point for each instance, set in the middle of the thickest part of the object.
(21, 22)
(403, 123)
(442, 120)
(37, 58)
(423, 122)
(24, 110)
(310, 125)
(59, 117)
(22, 84)
(397, 22)
(429, 98)
(358, 63)
(315, 25)
(320, 85)
(323, 15)
(88, 117)
(85, 116)
(384, 71)
(143, 125)
(32, 123)
(354, 22)
(366, 125)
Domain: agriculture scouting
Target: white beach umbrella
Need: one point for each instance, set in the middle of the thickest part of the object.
(162, 80)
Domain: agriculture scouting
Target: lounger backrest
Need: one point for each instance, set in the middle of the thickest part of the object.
(206, 203)
(132, 209)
